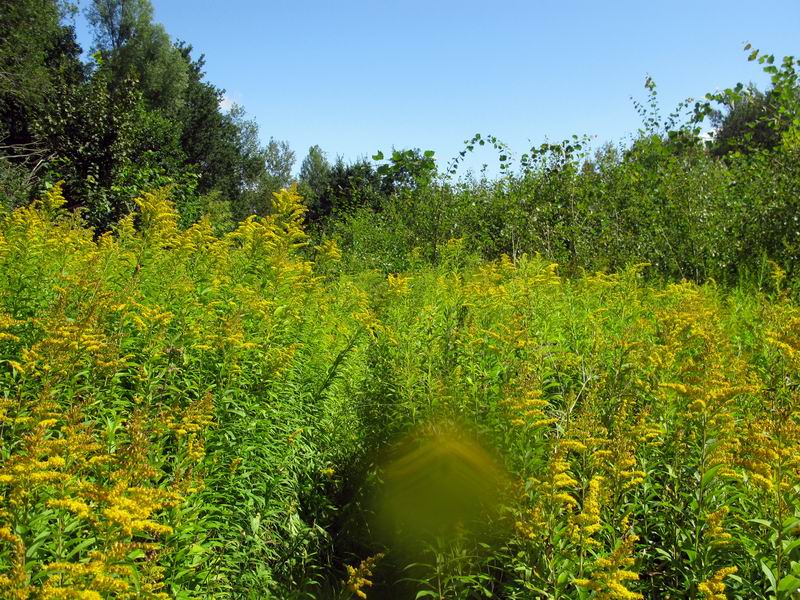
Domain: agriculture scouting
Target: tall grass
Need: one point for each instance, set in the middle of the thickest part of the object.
(186, 414)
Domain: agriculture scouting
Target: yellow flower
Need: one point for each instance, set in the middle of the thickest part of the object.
(358, 577)
(714, 530)
(609, 576)
(398, 283)
(587, 523)
(77, 507)
(714, 588)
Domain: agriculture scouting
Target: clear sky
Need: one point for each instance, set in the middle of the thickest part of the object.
(359, 76)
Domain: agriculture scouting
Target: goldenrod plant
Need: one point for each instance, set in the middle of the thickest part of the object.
(195, 413)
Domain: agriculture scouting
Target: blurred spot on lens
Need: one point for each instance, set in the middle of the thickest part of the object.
(438, 482)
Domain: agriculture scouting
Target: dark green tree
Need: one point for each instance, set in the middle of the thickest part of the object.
(315, 176)
(743, 123)
(272, 173)
(108, 147)
(39, 54)
(406, 169)
(209, 138)
(133, 45)
(353, 185)
(279, 160)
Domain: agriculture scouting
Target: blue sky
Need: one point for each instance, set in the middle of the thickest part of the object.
(359, 76)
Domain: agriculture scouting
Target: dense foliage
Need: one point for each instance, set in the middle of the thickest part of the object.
(137, 117)
(694, 208)
(386, 378)
(191, 415)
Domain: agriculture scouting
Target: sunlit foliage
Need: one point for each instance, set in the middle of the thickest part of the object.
(187, 413)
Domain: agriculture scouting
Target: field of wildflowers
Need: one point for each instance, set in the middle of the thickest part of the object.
(197, 414)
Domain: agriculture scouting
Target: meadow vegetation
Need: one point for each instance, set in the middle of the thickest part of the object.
(387, 379)
(192, 415)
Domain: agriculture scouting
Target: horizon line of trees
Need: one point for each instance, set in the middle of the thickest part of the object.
(140, 114)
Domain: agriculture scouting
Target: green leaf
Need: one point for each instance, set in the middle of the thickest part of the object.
(77, 550)
(709, 475)
(790, 546)
(769, 574)
(763, 522)
(790, 583)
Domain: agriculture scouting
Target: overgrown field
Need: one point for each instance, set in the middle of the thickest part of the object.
(193, 415)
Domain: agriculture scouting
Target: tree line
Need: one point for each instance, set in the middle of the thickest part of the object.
(140, 114)
(705, 191)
